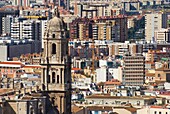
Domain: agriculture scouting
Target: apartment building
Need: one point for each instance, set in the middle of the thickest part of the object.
(134, 70)
(81, 28)
(106, 31)
(154, 21)
(27, 28)
(163, 74)
(6, 25)
(131, 6)
(101, 28)
(157, 55)
(12, 10)
(115, 28)
(91, 10)
(115, 11)
(89, 13)
(162, 35)
(84, 30)
(24, 3)
(122, 48)
(24, 29)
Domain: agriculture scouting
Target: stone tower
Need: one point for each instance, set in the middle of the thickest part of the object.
(56, 67)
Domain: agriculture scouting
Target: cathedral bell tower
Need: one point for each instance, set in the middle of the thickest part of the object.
(56, 67)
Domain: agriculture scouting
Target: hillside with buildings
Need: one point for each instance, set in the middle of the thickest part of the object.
(84, 57)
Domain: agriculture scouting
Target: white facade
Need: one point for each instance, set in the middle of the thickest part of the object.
(158, 65)
(26, 29)
(22, 28)
(162, 35)
(102, 63)
(3, 52)
(149, 110)
(43, 28)
(153, 21)
(101, 74)
(116, 73)
(24, 3)
(130, 23)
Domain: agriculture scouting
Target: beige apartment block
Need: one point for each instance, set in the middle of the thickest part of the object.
(153, 21)
(162, 35)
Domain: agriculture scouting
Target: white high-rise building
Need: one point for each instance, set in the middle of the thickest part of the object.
(43, 28)
(22, 28)
(154, 21)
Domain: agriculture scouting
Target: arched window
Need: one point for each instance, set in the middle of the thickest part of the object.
(53, 35)
(53, 77)
(53, 48)
(58, 78)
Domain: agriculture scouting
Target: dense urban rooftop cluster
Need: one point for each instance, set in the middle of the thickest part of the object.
(84, 57)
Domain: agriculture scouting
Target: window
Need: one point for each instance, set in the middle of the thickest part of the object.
(57, 78)
(53, 35)
(61, 80)
(53, 48)
(159, 75)
(53, 77)
(159, 112)
(48, 79)
(155, 112)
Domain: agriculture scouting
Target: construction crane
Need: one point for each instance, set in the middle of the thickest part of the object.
(93, 59)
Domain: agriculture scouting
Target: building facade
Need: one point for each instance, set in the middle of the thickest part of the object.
(56, 71)
(102, 28)
(162, 35)
(154, 21)
(28, 28)
(6, 25)
(134, 70)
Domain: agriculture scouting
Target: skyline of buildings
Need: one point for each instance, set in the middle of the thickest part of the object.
(84, 57)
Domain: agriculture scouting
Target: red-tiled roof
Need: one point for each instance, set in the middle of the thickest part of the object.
(32, 66)
(150, 74)
(75, 69)
(113, 82)
(11, 62)
(155, 106)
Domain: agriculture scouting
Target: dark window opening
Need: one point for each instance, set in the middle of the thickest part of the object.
(61, 80)
(53, 77)
(53, 48)
(48, 79)
(53, 35)
(57, 78)
(159, 75)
